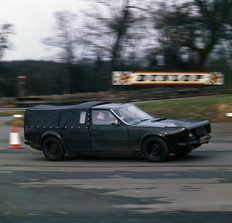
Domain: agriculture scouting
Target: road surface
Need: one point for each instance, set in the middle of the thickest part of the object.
(196, 188)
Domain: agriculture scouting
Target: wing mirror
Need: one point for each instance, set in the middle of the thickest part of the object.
(116, 122)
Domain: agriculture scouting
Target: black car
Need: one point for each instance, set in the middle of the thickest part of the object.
(103, 128)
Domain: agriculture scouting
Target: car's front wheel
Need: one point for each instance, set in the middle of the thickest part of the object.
(53, 149)
(155, 149)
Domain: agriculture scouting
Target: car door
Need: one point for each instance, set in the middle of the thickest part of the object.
(74, 131)
(107, 134)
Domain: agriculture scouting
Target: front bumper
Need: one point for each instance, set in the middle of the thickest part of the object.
(194, 143)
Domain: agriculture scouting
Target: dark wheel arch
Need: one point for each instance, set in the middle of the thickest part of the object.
(155, 149)
(53, 149)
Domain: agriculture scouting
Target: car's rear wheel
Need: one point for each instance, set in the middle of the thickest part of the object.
(155, 149)
(53, 149)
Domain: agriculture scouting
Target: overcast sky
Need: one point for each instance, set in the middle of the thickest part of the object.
(33, 20)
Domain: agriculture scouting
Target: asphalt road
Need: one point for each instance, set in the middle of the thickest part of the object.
(196, 188)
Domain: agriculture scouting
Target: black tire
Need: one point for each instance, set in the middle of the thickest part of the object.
(155, 149)
(53, 149)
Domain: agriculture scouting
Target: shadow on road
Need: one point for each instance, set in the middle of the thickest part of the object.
(172, 158)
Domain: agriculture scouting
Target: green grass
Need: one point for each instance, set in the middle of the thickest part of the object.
(10, 113)
(16, 121)
(13, 121)
(212, 108)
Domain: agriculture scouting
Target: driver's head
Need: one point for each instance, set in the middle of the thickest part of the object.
(100, 116)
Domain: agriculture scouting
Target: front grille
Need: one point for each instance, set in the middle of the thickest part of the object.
(201, 131)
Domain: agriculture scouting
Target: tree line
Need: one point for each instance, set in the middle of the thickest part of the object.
(194, 35)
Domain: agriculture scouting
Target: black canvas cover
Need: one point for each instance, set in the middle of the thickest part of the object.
(50, 116)
(85, 105)
(42, 118)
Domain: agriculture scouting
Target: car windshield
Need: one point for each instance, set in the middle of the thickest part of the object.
(132, 114)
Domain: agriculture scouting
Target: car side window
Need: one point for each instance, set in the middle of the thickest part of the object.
(101, 117)
(82, 117)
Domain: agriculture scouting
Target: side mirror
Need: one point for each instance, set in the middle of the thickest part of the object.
(116, 122)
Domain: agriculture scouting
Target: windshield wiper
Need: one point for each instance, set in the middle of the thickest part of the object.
(143, 120)
(139, 121)
(159, 119)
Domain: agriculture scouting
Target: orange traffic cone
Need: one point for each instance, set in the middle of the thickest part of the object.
(14, 138)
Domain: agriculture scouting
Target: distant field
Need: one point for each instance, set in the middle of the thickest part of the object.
(212, 108)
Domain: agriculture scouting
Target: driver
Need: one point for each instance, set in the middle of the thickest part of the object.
(101, 116)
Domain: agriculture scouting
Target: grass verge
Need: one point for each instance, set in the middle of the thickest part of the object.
(213, 108)
(13, 121)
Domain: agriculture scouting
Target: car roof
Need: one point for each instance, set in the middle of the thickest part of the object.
(108, 106)
(85, 105)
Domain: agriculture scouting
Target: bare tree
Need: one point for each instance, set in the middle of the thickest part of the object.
(64, 39)
(6, 30)
(194, 28)
(112, 30)
(227, 52)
